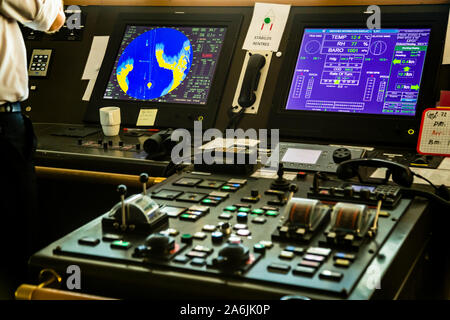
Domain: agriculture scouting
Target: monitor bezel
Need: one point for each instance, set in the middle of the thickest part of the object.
(173, 115)
(357, 128)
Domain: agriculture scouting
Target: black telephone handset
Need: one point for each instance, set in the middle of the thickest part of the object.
(401, 174)
(250, 82)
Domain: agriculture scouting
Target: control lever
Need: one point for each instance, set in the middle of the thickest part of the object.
(280, 183)
(292, 189)
(122, 190)
(374, 228)
(143, 178)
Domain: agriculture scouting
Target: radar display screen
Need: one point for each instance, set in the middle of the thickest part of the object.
(359, 71)
(172, 64)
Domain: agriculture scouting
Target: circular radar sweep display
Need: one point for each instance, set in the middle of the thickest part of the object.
(312, 47)
(378, 48)
(154, 64)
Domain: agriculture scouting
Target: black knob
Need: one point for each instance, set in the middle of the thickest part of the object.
(110, 143)
(120, 143)
(364, 194)
(348, 191)
(381, 196)
(143, 178)
(293, 188)
(341, 154)
(232, 255)
(138, 146)
(254, 193)
(224, 226)
(99, 141)
(122, 189)
(80, 142)
(105, 146)
(160, 244)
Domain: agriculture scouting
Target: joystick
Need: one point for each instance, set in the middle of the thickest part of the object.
(143, 178)
(122, 190)
(280, 183)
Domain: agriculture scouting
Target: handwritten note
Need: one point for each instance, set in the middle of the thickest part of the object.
(147, 117)
(434, 136)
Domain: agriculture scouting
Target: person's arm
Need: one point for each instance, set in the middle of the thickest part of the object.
(59, 21)
(42, 15)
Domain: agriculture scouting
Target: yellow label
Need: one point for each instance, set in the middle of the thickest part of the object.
(147, 117)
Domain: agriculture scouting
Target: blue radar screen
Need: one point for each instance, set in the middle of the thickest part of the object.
(154, 64)
(166, 64)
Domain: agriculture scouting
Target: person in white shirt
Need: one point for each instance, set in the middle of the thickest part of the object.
(18, 196)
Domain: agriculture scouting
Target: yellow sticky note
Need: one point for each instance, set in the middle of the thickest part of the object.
(147, 117)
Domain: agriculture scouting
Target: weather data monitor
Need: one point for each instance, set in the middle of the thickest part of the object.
(172, 64)
(368, 71)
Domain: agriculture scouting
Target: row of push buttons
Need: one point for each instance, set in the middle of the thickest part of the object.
(211, 199)
(344, 260)
(198, 254)
(230, 185)
(312, 258)
(193, 213)
(36, 58)
(305, 271)
(246, 208)
(116, 241)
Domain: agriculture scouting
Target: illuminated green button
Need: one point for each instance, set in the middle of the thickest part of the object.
(244, 210)
(258, 211)
(185, 215)
(120, 244)
(207, 201)
(230, 208)
(259, 247)
(186, 238)
(267, 20)
(226, 187)
(271, 213)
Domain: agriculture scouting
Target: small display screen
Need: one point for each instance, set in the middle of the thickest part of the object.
(301, 156)
(173, 64)
(366, 71)
(357, 188)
